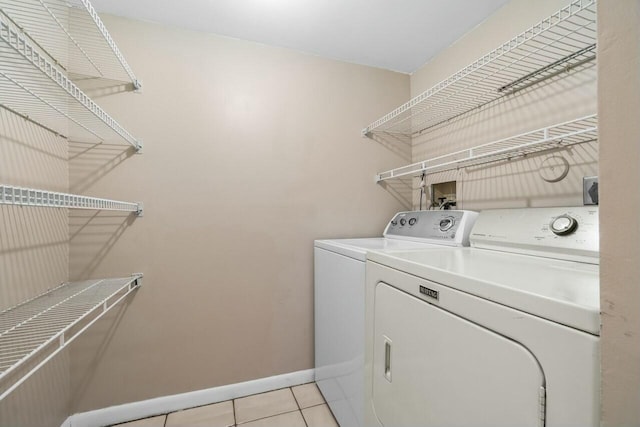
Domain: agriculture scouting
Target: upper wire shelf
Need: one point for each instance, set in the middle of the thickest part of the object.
(33, 86)
(560, 135)
(10, 195)
(33, 332)
(72, 32)
(563, 41)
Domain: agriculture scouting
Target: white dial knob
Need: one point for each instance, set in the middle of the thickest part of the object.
(563, 225)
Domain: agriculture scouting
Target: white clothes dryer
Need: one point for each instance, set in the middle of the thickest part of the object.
(504, 333)
(339, 299)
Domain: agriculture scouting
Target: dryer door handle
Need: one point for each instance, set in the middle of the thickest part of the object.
(387, 359)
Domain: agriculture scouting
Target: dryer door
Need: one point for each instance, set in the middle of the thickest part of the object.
(433, 368)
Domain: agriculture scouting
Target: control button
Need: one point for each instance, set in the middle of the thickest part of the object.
(446, 223)
(403, 221)
(563, 225)
(412, 221)
(394, 222)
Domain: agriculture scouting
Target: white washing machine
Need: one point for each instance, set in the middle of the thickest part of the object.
(339, 299)
(504, 333)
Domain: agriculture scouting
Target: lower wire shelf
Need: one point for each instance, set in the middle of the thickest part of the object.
(557, 136)
(10, 195)
(33, 332)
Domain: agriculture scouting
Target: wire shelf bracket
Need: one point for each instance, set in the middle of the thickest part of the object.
(23, 70)
(20, 196)
(33, 332)
(560, 135)
(558, 43)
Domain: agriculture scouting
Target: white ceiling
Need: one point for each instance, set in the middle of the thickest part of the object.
(399, 35)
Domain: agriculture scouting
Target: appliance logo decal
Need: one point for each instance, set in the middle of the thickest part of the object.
(429, 292)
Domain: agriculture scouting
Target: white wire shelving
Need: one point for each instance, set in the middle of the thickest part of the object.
(557, 136)
(72, 32)
(561, 42)
(35, 86)
(33, 332)
(20, 196)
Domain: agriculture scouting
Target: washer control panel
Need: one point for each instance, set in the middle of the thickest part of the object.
(569, 233)
(438, 226)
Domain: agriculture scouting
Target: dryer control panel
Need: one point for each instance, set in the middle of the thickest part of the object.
(447, 227)
(569, 233)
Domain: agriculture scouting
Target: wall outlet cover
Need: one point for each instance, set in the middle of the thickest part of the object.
(590, 190)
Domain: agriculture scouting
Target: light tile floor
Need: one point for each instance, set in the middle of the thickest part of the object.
(299, 406)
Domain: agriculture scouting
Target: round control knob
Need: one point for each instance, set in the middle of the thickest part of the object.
(403, 221)
(446, 224)
(412, 221)
(563, 225)
(394, 222)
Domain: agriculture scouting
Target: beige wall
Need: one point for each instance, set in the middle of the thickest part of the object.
(252, 152)
(34, 256)
(515, 183)
(619, 127)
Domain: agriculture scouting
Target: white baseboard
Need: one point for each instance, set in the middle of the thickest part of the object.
(162, 405)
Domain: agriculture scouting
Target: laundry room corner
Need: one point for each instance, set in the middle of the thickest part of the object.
(249, 154)
(319, 213)
(32, 157)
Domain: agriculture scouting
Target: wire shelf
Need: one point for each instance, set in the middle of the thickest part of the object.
(563, 41)
(35, 331)
(10, 195)
(72, 32)
(561, 135)
(34, 86)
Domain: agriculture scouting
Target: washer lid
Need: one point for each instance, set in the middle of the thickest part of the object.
(561, 291)
(358, 248)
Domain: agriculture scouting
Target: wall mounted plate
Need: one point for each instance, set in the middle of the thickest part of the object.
(554, 169)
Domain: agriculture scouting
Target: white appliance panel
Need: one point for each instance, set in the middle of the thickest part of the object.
(570, 359)
(433, 368)
(531, 232)
(340, 293)
(339, 333)
(358, 248)
(563, 291)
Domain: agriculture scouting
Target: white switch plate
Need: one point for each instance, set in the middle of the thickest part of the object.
(589, 196)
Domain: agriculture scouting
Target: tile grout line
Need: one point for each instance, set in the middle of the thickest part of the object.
(270, 416)
(235, 421)
(233, 406)
(304, 420)
(295, 398)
